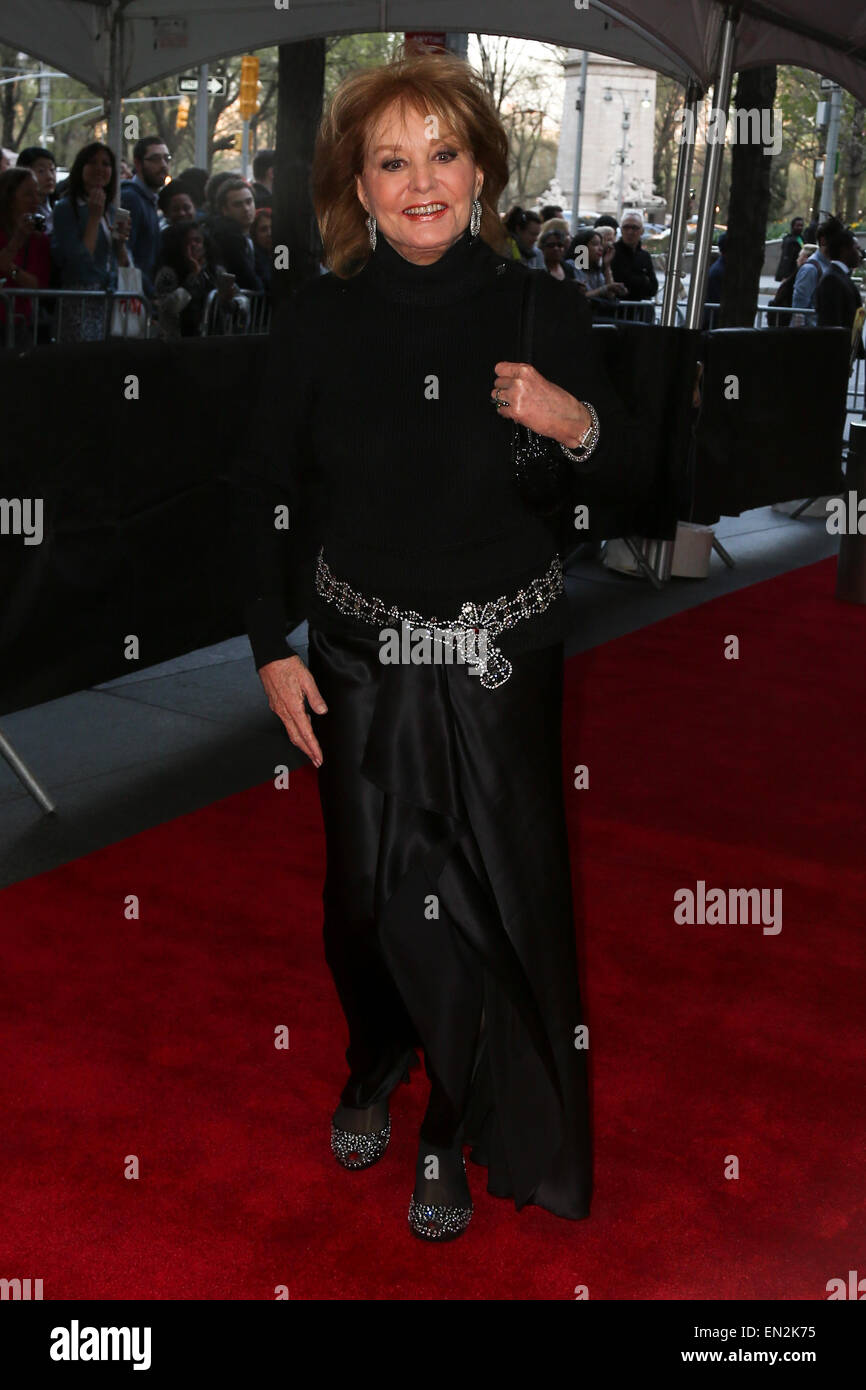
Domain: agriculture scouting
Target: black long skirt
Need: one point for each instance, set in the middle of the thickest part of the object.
(447, 902)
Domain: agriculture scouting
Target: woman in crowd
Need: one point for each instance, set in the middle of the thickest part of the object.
(592, 270)
(186, 277)
(175, 202)
(385, 426)
(523, 228)
(25, 254)
(552, 243)
(88, 243)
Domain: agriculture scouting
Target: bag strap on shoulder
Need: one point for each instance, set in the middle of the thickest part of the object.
(527, 316)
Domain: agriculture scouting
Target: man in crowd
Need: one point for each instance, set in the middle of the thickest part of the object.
(631, 265)
(810, 274)
(230, 229)
(715, 279)
(263, 178)
(41, 163)
(140, 195)
(792, 245)
(837, 298)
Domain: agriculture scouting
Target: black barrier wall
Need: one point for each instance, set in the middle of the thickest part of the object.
(135, 506)
(772, 419)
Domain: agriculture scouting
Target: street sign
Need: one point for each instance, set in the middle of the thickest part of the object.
(828, 84)
(216, 86)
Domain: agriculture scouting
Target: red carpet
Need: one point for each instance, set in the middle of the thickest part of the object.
(155, 1037)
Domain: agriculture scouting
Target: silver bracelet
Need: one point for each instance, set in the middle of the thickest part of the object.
(590, 439)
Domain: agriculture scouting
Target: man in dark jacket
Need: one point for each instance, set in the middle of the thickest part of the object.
(631, 264)
(139, 194)
(230, 231)
(792, 245)
(263, 178)
(837, 298)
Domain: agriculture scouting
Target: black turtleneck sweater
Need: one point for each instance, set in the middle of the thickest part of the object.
(375, 429)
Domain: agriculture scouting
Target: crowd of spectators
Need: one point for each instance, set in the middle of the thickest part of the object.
(606, 268)
(202, 246)
(610, 266)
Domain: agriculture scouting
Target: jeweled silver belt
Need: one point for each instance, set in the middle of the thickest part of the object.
(492, 617)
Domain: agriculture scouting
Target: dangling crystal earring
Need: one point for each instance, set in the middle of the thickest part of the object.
(475, 219)
(371, 228)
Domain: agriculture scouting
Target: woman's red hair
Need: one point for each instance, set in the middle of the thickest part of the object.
(436, 84)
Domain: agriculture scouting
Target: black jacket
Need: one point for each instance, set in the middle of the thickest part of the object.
(634, 269)
(791, 248)
(370, 468)
(837, 299)
(235, 251)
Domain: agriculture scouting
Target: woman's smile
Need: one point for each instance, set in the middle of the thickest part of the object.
(426, 212)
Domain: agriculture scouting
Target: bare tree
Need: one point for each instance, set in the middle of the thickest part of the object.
(13, 103)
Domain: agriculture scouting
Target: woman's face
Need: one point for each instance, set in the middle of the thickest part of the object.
(554, 249)
(595, 246)
(180, 208)
(195, 243)
(527, 236)
(418, 182)
(26, 198)
(262, 235)
(97, 171)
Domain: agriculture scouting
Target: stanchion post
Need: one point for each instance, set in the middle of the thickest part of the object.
(851, 566)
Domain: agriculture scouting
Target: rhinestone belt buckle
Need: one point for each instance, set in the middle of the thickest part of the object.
(493, 617)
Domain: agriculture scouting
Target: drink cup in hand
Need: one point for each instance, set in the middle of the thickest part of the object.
(122, 223)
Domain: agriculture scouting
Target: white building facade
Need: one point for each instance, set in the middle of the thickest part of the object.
(618, 136)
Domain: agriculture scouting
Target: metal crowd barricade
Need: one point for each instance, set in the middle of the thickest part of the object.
(248, 313)
(22, 330)
(635, 311)
(856, 402)
(785, 316)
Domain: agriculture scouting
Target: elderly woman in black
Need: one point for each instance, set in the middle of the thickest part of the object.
(384, 434)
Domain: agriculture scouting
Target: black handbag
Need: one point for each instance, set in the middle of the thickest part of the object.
(542, 473)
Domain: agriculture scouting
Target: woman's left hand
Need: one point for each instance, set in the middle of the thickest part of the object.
(535, 402)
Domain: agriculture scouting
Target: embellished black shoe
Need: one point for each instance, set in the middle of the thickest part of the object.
(441, 1207)
(359, 1138)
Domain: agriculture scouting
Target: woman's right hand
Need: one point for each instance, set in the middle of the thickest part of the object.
(96, 202)
(286, 682)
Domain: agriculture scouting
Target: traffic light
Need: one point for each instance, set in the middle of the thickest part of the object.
(248, 100)
(182, 114)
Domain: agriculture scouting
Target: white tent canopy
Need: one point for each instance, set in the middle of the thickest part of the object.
(160, 38)
(677, 37)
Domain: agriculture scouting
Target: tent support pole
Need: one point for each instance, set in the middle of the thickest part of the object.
(115, 89)
(680, 209)
(712, 173)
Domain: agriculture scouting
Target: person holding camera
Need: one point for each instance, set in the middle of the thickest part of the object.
(41, 164)
(89, 240)
(25, 255)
